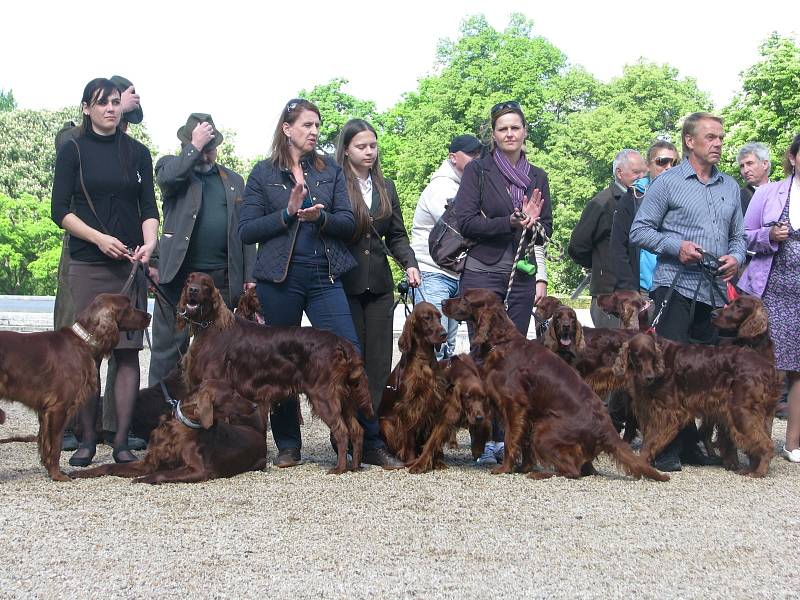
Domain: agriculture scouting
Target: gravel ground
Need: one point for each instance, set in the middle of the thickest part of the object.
(459, 533)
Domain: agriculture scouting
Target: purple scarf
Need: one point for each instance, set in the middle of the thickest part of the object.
(516, 176)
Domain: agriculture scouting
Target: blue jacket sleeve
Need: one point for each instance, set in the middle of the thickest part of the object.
(258, 222)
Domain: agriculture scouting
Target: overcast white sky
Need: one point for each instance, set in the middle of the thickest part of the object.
(241, 61)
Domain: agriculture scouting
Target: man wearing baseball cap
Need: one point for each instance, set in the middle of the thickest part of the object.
(201, 202)
(437, 283)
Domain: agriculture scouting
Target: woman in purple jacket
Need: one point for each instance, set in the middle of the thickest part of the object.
(772, 224)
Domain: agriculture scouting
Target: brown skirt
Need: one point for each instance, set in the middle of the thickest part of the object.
(88, 279)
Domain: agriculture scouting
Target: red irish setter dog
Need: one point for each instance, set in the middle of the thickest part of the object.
(748, 319)
(629, 306)
(413, 392)
(671, 384)
(54, 372)
(540, 396)
(267, 364)
(465, 405)
(249, 307)
(213, 433)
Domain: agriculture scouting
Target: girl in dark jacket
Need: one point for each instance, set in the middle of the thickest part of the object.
(379, 227)
(297, 209)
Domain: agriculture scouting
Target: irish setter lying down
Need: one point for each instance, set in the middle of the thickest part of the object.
(54, 372)
(541, 398)
(267, 364)
(213, 433)
(671, 384)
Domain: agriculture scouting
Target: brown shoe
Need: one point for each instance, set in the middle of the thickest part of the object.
(382, 458)
(288, 457)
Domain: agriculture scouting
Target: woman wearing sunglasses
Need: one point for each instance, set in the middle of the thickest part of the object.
(501, 197)
(297, 210)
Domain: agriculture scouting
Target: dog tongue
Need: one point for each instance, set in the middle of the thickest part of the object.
(565, 341)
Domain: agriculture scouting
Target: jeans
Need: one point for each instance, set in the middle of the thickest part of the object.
(435, 288)
(307, 288)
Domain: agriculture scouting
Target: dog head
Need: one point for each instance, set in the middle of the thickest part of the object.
(201, 302)
(214, 400)
(106, 316)
(565, 332)
(641, 357)
(424, 325)
(628, 305)
(485, 310)
(745, 315)
(465, 383)
(249, 307)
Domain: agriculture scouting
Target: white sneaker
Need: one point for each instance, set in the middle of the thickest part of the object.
(792, 455)
(487, 458)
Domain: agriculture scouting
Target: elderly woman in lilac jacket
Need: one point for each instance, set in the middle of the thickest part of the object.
(772, 224)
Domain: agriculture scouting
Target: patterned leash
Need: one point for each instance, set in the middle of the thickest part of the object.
(549, 255)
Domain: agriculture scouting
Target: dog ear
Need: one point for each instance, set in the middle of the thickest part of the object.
(404, 343)
(483, 325)
(550, 336)
(204, 399)
(756, 324)
(225, 317)
(103, 327)
(580, 344)
(621, 363)
(659, 366)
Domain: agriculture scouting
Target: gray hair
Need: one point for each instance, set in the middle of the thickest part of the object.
(621, 159)
(757, 149)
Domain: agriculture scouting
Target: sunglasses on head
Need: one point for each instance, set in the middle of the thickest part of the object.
(511, 104)
(663, 161)
(292, 104)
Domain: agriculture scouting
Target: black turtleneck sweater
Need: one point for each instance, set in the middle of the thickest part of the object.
(118, 173)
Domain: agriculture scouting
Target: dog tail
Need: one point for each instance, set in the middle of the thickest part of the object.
(357, 382)
(632, 464)
(18, 438)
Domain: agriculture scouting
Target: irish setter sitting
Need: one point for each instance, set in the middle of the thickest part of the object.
(413, 392)
(213, 433)
(267, 364)
(629, 306)
(671, 384)
(540, 398)
(465, 405)
(54, 372)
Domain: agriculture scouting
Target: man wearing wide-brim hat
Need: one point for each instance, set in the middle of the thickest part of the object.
(201, 203)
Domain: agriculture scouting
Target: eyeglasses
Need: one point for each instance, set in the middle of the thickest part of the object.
(663, 161)
(511, 104)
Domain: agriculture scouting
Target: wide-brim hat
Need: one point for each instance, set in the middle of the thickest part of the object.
(136, 115)
(185, 132)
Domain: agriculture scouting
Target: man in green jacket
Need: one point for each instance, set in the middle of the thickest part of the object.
(201, 203)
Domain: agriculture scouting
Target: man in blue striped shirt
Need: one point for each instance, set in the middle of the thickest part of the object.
(690, 209)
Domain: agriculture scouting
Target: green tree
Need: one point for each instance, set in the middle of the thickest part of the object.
(7, 102)
(337, 107)
(767, 108)
(30, 246)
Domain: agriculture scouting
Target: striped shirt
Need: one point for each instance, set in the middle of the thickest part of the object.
(677, 207)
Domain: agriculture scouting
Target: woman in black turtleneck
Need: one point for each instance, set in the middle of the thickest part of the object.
(118, 174)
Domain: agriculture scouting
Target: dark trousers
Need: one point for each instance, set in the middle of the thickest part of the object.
(168, 344)
(373, 318)
(520, 308)
(674, 325)
(307, 288)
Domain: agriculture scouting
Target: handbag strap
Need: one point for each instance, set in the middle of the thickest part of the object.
(83, 187)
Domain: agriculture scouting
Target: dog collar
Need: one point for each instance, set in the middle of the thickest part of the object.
(184, 419)
(78, 330)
